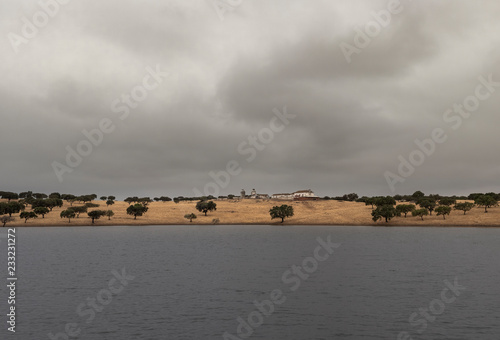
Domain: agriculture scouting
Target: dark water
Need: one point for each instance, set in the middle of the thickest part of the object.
(193, 282)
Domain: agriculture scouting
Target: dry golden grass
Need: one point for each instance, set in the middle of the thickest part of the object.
(257, 212)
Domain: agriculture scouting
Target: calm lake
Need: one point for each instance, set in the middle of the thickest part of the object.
(257, 282)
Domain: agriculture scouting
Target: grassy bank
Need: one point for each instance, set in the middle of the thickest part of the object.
(257, 212)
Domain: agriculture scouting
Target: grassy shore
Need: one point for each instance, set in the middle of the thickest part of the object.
(257, 212)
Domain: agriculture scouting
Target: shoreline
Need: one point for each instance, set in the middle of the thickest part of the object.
(256, 212)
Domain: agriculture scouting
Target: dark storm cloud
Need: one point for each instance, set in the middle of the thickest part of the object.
(226, 79)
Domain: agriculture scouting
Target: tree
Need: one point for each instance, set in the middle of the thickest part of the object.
(11, 208)
(137, 210)
(443, 210)
(466, 206)
(190, 217)
(176, 200)
(5, 219)
(350, 197)
(418, 195)
(27, 215)
(9, 195)
(388, 200)
(204, 206)
(79, 210)
(420, 213)
(26, 194)
(53, 202)
(40, 196)
(383, 211)
(165, 199)
(38, 203)
(69, 214)
(55, 195)
(129, 200)
(427, 203)
(404, 209)
(486, 201)
(144, 200)
(110, 214)
(448, 201)
(112, 198)
(104, 198)
(41, 211)
(109, 202)
(370, 201)
(91, 205)
(230, 197)
(282, 212)
(96, 214)
(68, 197)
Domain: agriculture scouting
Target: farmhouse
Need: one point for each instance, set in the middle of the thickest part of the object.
(287, 197)
(300, 195)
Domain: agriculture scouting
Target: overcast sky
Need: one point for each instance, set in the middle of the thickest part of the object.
(229, 70)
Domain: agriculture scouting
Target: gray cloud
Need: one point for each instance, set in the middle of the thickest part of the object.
(226, 78)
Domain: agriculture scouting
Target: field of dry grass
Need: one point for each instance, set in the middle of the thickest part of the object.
(257, 212)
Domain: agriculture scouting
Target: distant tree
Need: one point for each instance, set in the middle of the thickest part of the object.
(466, 206)
(204, 206)
(486, 201)
(418, 195)
(386, 212)
(398, 197)
(26, 215)
(110, 214)
(26, 194)
(427, 203)
(38, 203)
(404, 209)
(474, 196)
(79, 210)
(144, 200)
(96, 214)
(388, 200)
(165, 199)
(104, 198)
(230, 197)
(112, 198)
(137, 210)
(93, 196)
(129, 200)
(370, 201)
(350, 197)
(177, 200)
(420, 213)
(91, 205)
(448, 201)
(53, 202)
(443, 210)
(326, 198)
(68, 197)
(190, 217)
(156, 199)
(282, 212)
(41, 211)
(11, 207)
(55, 195)
(40, 196)
(109, 202)
(9, 195)
(5, 219)
(69, 214)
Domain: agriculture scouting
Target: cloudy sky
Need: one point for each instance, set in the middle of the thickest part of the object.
(360, 92)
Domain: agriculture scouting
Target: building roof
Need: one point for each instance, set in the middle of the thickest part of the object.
(300, 191)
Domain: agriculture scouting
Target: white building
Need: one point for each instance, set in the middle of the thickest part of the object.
(304, 194)
(287, 197)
